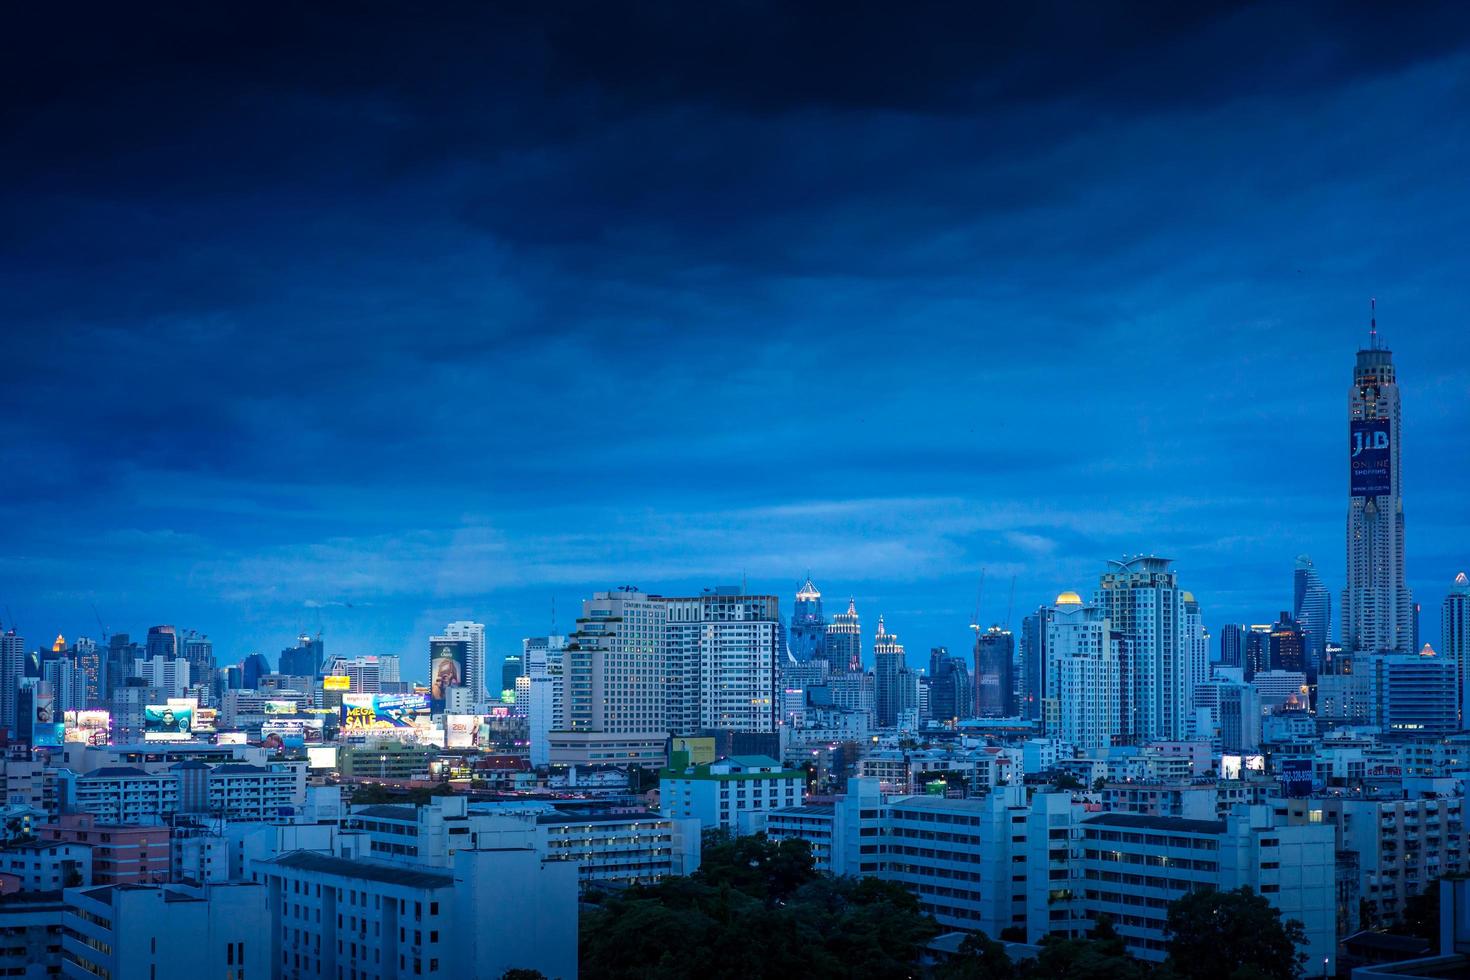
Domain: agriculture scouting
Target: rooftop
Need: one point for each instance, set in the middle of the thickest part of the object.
(1175, 824)
(640, 817)
(389, 811)
(378, 871)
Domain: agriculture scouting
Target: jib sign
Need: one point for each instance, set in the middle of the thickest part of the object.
(1371, 473)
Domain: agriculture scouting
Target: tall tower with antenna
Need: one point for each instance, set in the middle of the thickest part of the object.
(1377, 606)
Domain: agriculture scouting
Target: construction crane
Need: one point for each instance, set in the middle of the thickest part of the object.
(100, 624)
(979, 594)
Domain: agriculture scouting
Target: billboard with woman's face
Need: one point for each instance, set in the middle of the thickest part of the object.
(446, 669)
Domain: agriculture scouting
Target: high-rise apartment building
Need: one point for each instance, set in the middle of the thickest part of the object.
(1142, 601)
(808, 625)
(845, 640)
(1377, 606)
(722, 650)
(1196, 641)
(994, 687)
(1083, 674)
(1454, 639)
(90, 662)
(892, 671)
(1311, 607)
(545, 709)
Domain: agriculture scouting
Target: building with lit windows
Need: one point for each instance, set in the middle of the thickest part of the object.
(143, 932)
(615, 679)
(722, 650)
(489, 912)
(845, 640)
(808, 625)
(731, 794)
(1144, 605)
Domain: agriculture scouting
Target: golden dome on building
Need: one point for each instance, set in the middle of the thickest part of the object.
(59, 645)
(1186, 597)
(1069, 599)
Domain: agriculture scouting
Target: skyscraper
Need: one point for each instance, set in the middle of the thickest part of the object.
(845, 640)
(1454, 638)
(510, 668)
(163, 642)
(1377, 606)
(304, 659)
(1256, 651)
(1083, 675)
(12, 667)
(1196, 641)
(889, 665)
(950, 693)
(1141, 599)
(1311, 607)
(1232, 645)
(808, 625)
(994, 652)
(1033, 662)
(1287, 645)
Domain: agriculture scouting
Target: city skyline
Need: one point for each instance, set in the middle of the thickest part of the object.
(332, 366)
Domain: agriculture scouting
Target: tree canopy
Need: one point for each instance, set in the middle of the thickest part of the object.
(756, 909)
(1215, 935)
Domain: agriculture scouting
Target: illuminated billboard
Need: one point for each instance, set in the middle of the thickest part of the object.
(278, 707)
(204, 719)
(446, 669)
(47, 728)
(336, 682)
(461, 731)
(365, 712)
(305, 729)
(88, 727)
(321, 757)
(167, 723)
(230, 738)
(1369, 464)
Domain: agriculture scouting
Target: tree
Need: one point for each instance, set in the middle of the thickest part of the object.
(1214, 935)
(1101, 956)
(978, 958)
(1421, 915)
(765, 870)
(1067, 781)
(727, 923)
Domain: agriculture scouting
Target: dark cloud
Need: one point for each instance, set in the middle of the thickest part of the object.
(456, 308)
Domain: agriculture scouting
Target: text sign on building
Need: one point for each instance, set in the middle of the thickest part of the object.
(1371, 473)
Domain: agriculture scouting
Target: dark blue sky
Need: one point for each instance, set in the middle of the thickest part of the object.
(376, 320)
